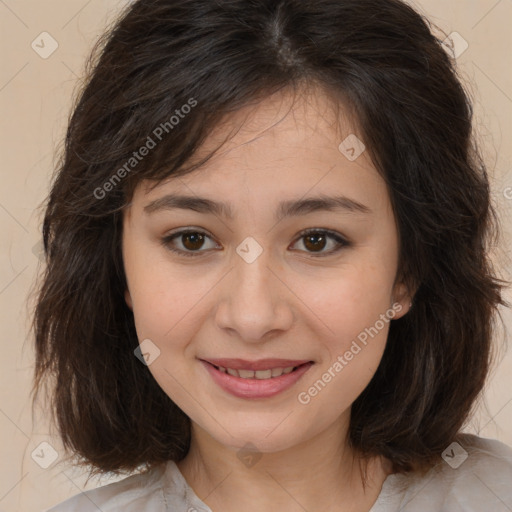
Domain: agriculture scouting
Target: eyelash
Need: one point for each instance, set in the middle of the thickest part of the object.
(342, 242)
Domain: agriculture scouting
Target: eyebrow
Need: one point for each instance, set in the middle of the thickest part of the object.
(285, 208)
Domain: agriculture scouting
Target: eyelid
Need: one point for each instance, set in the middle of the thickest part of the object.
(342, 241)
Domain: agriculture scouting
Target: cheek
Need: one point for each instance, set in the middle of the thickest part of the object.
(349, 299)
(359, 325)
(356, 310)
(164, 296)
(354, 354)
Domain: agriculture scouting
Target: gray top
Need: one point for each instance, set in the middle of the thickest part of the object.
(475, 476)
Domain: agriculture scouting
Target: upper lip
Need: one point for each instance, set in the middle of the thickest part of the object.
(260, 364)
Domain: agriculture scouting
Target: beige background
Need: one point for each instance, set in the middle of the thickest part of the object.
(35, 97)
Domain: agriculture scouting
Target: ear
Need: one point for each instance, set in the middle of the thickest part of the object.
(401, 300)
(128, 298)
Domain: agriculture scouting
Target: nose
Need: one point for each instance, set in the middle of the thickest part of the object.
(255, 301)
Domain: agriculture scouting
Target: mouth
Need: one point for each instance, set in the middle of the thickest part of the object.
(260, 379)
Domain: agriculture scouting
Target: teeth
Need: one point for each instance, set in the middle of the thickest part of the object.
(263, 374)
(275, 372)
(259, 374)
(246, 374)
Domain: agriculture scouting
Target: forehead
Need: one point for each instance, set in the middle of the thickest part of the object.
(278, 148)
(306, 117)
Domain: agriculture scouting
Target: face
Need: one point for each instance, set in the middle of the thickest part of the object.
(282, 282)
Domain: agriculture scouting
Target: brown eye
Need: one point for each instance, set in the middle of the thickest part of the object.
(192, 241)
(315, 242)
(187, 242)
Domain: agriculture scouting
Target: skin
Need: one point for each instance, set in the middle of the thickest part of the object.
(288, 303)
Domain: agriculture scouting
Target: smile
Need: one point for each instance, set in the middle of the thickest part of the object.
(263, 382)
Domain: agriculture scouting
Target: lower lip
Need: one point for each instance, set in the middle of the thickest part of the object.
(255, 388)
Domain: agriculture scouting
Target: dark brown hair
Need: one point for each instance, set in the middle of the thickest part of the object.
(380, 59)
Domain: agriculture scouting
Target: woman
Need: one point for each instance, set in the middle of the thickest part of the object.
(268, 282)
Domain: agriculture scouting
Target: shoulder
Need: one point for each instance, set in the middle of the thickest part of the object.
(475, 475)
(137, 493)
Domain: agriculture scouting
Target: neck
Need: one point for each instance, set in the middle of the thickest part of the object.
(322, 473)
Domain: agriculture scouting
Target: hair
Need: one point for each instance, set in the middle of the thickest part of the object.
(381, 61)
